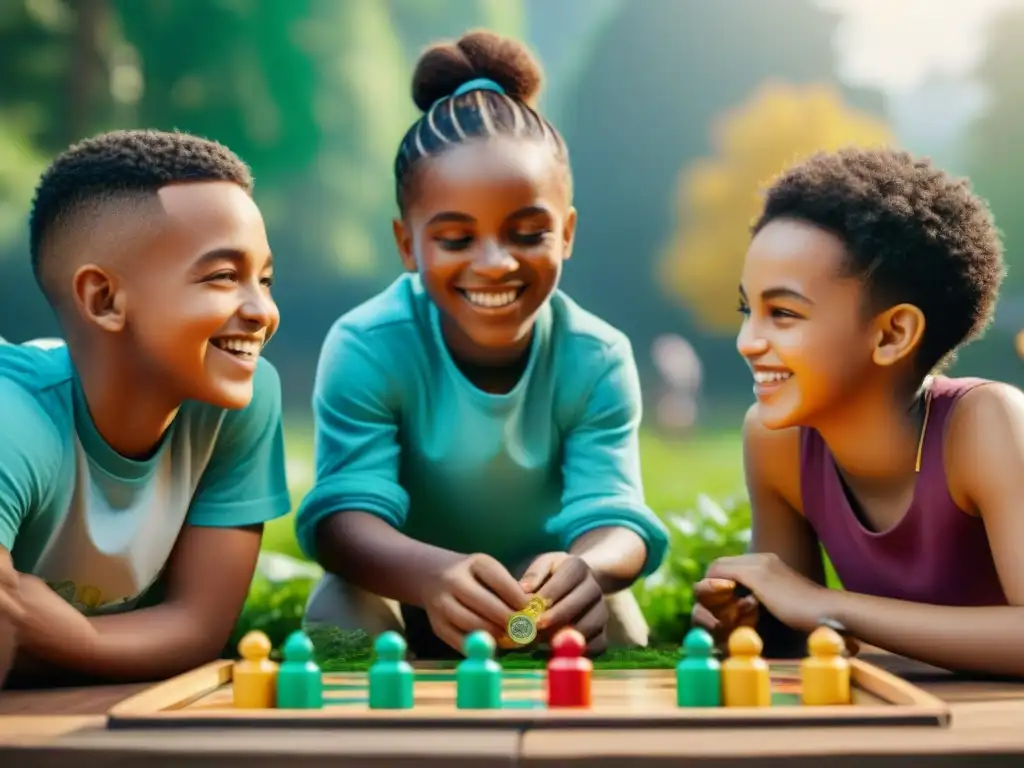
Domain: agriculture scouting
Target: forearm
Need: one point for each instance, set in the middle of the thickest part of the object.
(615, 556)
(148, 644)
(981, 640)
(369, 553)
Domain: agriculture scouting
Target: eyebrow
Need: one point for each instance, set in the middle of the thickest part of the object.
(780, 293)
(451, 216)
(462, 218)
(530, 210)
(227, 254)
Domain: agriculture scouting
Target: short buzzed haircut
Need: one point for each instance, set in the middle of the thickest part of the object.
(122, 165)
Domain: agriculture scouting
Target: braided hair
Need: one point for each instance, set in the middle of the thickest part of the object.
(480, 86)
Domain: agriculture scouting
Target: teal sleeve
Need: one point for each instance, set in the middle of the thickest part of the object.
(245, 482)
(30, 459)
(601, 465)
(357, 450)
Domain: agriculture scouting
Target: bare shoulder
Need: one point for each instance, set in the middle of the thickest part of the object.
(985, 434)
(771, 458)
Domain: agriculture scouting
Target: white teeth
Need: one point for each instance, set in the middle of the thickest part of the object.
(240, 347)
(769, 377)
(488, 299)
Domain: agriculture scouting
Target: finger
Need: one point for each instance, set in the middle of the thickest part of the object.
(703, 618)
(480, 600)
(465, 620)
(594, 621)
(11, 606)
(447, 633)
(8, 577)
(536, 574)
(569, 575)
(572, 607)
(714, 592)
(598, 645)
(496, 578)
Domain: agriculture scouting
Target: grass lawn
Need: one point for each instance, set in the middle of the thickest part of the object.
(352, 652)
(674, 472)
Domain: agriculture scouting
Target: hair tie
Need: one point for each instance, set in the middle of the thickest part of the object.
(479, 84)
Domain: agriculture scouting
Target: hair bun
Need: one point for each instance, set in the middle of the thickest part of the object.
(443, 67)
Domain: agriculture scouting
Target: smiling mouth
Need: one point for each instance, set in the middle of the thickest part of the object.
(771, 377)
(492, 299)
(244, 349)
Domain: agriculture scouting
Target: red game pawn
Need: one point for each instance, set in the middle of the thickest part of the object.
(569, 671)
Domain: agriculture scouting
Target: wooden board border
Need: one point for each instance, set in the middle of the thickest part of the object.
(162, 705)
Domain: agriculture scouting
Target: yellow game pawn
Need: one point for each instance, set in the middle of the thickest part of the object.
(825, 672)
(745, 678)
(254, 678)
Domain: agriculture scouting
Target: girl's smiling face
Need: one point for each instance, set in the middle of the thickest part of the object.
(488, 226)
(806, 335)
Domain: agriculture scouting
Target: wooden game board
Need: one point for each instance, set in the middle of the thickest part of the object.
(621, 698)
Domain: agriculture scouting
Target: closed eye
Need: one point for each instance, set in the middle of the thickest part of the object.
(778, 312)
(454, 243)
(530, 238)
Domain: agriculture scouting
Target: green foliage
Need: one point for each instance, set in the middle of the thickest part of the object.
(698, 536)
(246, 78)
(276, 601)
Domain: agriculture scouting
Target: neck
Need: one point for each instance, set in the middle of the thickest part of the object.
(468, 352)
(877, 435)
(130, 410)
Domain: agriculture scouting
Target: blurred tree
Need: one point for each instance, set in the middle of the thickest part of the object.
(995, 152)
(719, 197)
(55, 65)
(233, 70)
(20, 166)
(657, 74)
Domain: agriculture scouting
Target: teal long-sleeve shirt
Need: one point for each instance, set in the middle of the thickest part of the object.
(402, 434)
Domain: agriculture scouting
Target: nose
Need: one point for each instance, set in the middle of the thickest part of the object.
(494, 262)
(259, 309)
(748, 342)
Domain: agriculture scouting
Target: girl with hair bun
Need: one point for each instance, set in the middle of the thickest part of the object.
(476, 430)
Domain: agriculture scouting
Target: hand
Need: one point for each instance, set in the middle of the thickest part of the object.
(476, 593)
(574, 598)
(12, 606)
(793, 599)
(719, 610)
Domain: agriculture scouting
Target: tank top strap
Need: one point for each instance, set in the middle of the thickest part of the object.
(943, 393)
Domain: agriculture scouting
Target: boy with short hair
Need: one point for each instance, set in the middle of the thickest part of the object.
(139, 462)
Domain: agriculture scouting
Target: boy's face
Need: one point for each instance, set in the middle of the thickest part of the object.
(806, 335)
(488, 228)
(197, 303)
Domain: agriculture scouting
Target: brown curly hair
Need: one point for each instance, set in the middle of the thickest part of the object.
(913, 234)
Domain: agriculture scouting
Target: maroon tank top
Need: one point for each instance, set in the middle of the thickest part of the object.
(936, 553)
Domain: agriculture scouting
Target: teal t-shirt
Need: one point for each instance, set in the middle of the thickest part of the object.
(99, 527)
(402, 434)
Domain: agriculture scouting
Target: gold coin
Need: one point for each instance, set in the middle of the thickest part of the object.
(536, 606)
(521, 628)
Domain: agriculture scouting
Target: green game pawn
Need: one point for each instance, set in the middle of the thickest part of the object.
(391, 676)
(299, 682)
(478, 678)
(699, 674)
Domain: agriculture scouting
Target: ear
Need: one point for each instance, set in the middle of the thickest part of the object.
(900, 330)
(404, 243)
(98, 298)
(569, 233)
